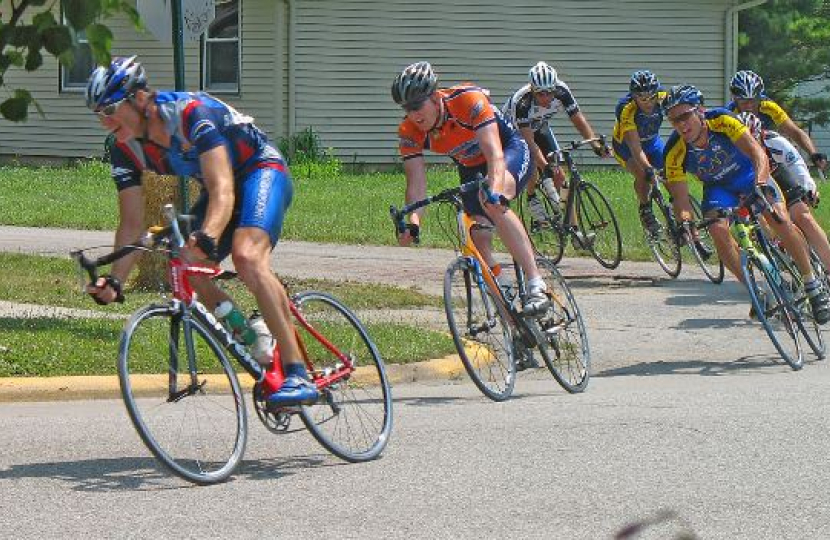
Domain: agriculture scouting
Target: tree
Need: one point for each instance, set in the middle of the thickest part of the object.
(786, 42)
(22, 42)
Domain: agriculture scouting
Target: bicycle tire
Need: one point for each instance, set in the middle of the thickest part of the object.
(663, 244)
(562, 335)
(794, 283)
(598, 223)
(480, 331)
(548, 239)
(353, 417)
(773, 311)
(712, 266)
(199, 435)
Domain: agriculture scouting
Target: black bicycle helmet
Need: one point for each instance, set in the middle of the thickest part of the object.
(643, 82)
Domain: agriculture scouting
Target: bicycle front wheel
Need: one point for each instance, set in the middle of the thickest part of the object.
(563, 338)
(710, 261)
(182, 394)
(598, 225)
(793, 282)
(662, 242)
(547, 238)
(773, 310)
(353, 417)
(480, 331)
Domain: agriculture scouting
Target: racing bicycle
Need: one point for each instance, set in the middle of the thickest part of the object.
(492, 335)
(588, 219)
(183, 394)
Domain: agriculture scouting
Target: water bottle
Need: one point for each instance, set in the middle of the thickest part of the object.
(235, 321)
(263, 346)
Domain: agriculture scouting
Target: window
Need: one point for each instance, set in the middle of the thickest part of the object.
(73, 79)
(220, 53)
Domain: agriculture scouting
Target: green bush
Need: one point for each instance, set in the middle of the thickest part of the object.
(307, 157)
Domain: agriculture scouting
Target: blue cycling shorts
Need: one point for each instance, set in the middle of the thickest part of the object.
(726, 196)
(517, 163)
(653, 149)
(262, 200)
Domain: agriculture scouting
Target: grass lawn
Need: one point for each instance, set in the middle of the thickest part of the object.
(49, 346)
(352, 209)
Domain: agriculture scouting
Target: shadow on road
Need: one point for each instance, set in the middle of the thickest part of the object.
(758, 363)
(146, 474)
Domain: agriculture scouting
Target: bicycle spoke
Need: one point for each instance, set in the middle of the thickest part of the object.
(353, 417)
(200, 435)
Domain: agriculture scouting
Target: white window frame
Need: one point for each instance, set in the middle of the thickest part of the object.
(224, 88)
(63, 74)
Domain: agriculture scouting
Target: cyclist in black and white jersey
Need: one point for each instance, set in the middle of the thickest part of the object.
(529, 109)
(790, 172)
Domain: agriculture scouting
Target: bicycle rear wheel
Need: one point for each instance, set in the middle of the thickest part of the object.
(563, 338)
(711, 264)
(663, 243)
(182, 394)
(794, 285)
(598, 225)
(547, 238)
(773, 311)
(480, 330)
(353, 417)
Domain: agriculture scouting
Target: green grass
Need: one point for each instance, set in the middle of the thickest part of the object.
(53, 281)
(47, 346)
(352, 209)
(44, 347)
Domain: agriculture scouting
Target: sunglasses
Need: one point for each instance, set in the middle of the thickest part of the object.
(645, 96)
(110, 109)
(543, 93)
(682, 117)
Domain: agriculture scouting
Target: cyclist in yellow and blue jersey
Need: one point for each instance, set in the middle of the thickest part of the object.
(718, 149)
(748, 95)
(637, 144)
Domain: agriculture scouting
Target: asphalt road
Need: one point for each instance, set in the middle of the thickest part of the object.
(688, 411)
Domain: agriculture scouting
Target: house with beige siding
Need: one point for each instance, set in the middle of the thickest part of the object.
(328, 64)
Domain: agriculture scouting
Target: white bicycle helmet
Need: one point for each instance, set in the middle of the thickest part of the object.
(542, 78)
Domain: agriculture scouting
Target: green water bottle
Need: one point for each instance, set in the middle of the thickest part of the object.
(235, 321)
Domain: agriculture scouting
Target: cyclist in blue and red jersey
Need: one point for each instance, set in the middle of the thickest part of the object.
(748, 95)
(636, 142)
(460, 122)
(246, 191)
(718, 149)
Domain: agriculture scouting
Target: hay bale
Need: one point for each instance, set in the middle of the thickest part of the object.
(158, 191)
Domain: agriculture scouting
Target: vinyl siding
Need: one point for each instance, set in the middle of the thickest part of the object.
(356, 47)
(69, 130)
(346, 53)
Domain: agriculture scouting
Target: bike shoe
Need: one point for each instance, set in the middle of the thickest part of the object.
(536, 303)
(704, 250)
(294, 391)
(537, 210)
(650, 223)
(582, 242)
(818, 303)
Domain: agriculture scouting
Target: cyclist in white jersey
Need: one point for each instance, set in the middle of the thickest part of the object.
(529, 109)
(790, 172)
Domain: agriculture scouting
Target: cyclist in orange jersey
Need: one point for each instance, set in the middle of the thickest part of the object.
(460, 122)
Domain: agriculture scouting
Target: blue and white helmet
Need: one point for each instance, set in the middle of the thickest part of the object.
(542, 77)
(107, 85)
(747, 85)
(682, 94)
